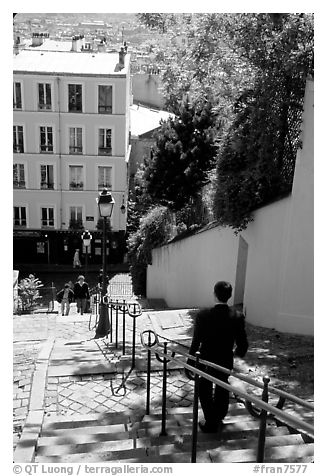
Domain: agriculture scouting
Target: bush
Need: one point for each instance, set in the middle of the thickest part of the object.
(156, 228)
(28, 293)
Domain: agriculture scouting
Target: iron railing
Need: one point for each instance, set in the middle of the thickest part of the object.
(117, 310)
(265, 409)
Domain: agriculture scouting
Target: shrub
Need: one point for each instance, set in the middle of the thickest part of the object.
(28, 293)
(156, 228)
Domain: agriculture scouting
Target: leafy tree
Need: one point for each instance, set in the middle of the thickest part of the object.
(156, 21)
(183, 156)
(257, 156)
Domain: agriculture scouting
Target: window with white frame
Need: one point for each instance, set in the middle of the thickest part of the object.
(17, 99)
(46, 139)
(76, 177)
(104, 178)
(47, 216)
(18, 139)
(19, 176)
(74, 97)
(105, 145)
(105, 99)
(44, 94)
(47, 177)
(19, 216)
(75, 140)
(75, 217)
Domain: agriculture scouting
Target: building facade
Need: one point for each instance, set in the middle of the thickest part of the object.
(70, 141)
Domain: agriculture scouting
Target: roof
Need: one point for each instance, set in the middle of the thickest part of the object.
(72, 63)
(145, 119)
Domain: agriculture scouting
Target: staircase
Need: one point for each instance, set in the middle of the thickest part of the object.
(135, 438)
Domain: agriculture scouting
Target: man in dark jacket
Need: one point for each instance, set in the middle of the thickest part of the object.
(81, 292)
(216, 332)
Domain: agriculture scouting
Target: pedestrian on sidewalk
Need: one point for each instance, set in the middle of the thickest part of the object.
(65, 297)
(216, 331)
(82, 294)
(76, 260)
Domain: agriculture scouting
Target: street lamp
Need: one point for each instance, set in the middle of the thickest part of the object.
(86, 237)
(106, 204)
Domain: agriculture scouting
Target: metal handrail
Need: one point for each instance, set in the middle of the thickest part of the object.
(163, 356)
(298, 424)
(132, 308)
(245, 378)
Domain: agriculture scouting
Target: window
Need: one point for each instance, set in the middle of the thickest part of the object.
(46, 139)
(47, 181)
(44, 90)
(19, 216)
(75, 177)
(75, 140)
(74, 97)
(105, 100)
(76, 217)
(17, 95)
(18, 139)
(47, 217)
(19, 176)
(104, 178)
(105, 142)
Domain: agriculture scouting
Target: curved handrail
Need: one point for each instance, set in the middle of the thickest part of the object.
(284, 416)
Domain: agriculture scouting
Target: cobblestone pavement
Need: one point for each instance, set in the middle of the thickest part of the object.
(102, 393)
(83, 394)
(24, 356)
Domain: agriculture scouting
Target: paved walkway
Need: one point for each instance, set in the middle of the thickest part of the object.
(60, 369)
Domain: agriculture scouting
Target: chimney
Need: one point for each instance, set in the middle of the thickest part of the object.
(77, 43)
(37, 38)
(122, 54)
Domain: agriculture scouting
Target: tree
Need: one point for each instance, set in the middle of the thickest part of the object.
(257, 156)
(156, 21)
(183, 155)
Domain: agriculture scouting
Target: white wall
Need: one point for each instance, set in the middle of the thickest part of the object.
(279, 279)
(297, 275)
(183, 273)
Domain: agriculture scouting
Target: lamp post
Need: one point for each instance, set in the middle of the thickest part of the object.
(106, 204)
(86, 237)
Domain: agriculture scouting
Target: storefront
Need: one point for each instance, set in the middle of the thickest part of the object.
(58, 247)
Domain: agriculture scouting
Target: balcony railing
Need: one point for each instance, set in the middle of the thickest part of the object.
(107, 185)
(17, 105)
(76, 224)
(105, 151)
(47, 223)
(20, 223)
(47, 185)
(45, 107)
(104, 109)
(18, 149)
(47, 148)
(75, 149)
(76, 186)
(19, 184)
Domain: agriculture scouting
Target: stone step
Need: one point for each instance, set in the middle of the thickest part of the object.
(139, 455)
(291, 453)
(95, 419)
(177, 437)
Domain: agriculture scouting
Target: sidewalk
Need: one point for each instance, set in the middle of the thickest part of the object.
(59, 369)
